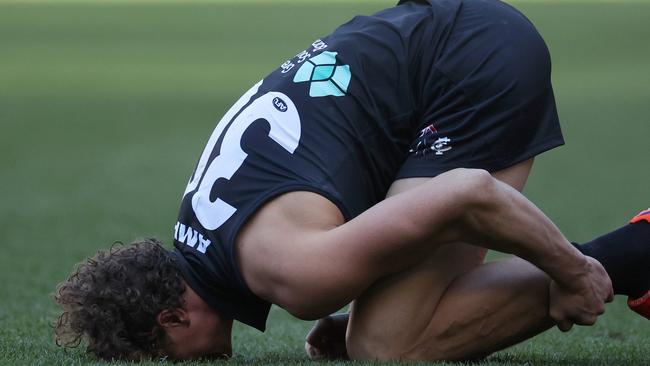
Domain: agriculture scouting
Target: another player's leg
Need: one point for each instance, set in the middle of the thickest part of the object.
(625, 254)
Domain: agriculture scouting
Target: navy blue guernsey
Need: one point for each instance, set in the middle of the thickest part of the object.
(338, 119)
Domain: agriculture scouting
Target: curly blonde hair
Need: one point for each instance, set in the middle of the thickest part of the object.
(112, 299)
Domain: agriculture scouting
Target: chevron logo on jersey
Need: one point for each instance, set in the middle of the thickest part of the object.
(326, 77)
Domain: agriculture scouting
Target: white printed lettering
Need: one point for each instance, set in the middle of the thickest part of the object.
(287, 66)
(278, 110)
(319, 45)
(302, 56)
(188, 236)
(285, 130)
(205, 156)
(203, 244)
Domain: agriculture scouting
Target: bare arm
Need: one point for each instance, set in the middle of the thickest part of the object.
(298, 253)
(471, 206)
(462, 205)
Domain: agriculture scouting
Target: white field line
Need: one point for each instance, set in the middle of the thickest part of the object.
(281, 2)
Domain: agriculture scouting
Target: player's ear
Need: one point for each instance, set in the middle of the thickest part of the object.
(174, 317)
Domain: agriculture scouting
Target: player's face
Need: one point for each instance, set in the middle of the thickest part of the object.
(197, 331)
(208, 336)
(205, 343)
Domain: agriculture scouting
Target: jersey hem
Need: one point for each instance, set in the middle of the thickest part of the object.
(493, 166)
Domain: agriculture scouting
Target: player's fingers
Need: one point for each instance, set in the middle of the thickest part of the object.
(599, 310)
(316, 334)
(564, 325)
(313, 352)
(588, 320)
(610, 297)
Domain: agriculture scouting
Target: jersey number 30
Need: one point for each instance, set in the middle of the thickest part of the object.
(273, 107)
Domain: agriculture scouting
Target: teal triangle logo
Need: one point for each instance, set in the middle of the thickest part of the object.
(327, 78)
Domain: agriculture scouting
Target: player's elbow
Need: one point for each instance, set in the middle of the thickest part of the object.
(318, 299)
(320, 291)
(290, 295)
(304, 308)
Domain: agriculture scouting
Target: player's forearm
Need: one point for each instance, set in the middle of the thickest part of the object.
(501, 218)
(461, 205)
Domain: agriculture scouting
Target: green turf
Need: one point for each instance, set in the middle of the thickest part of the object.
(104, 109)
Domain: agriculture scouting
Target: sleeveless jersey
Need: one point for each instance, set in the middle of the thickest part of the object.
(338, 119)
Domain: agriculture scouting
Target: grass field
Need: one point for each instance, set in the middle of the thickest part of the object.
(105, 107)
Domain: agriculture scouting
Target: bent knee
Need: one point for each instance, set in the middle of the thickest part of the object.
(469, 181)
(472, 188)
(466, 174)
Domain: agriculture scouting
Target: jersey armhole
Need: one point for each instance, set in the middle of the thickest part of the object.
(265, 198)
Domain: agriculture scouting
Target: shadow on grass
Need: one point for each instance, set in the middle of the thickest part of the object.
(557, 359)
(497, 360)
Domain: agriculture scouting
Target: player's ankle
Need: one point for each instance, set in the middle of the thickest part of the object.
(625, 254)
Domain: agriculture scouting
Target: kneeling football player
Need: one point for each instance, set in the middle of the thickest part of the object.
(339, 177)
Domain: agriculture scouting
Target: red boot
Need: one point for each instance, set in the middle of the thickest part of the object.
(642, 304)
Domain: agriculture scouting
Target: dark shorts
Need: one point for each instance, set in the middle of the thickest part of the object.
(489, 102)
(466, 83)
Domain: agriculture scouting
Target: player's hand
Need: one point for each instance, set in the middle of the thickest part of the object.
(582, 301)
(326, 340)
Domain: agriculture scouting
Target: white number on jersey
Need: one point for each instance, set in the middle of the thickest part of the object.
(273, 107)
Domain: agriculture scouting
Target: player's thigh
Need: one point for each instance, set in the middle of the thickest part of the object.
(389, 316)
